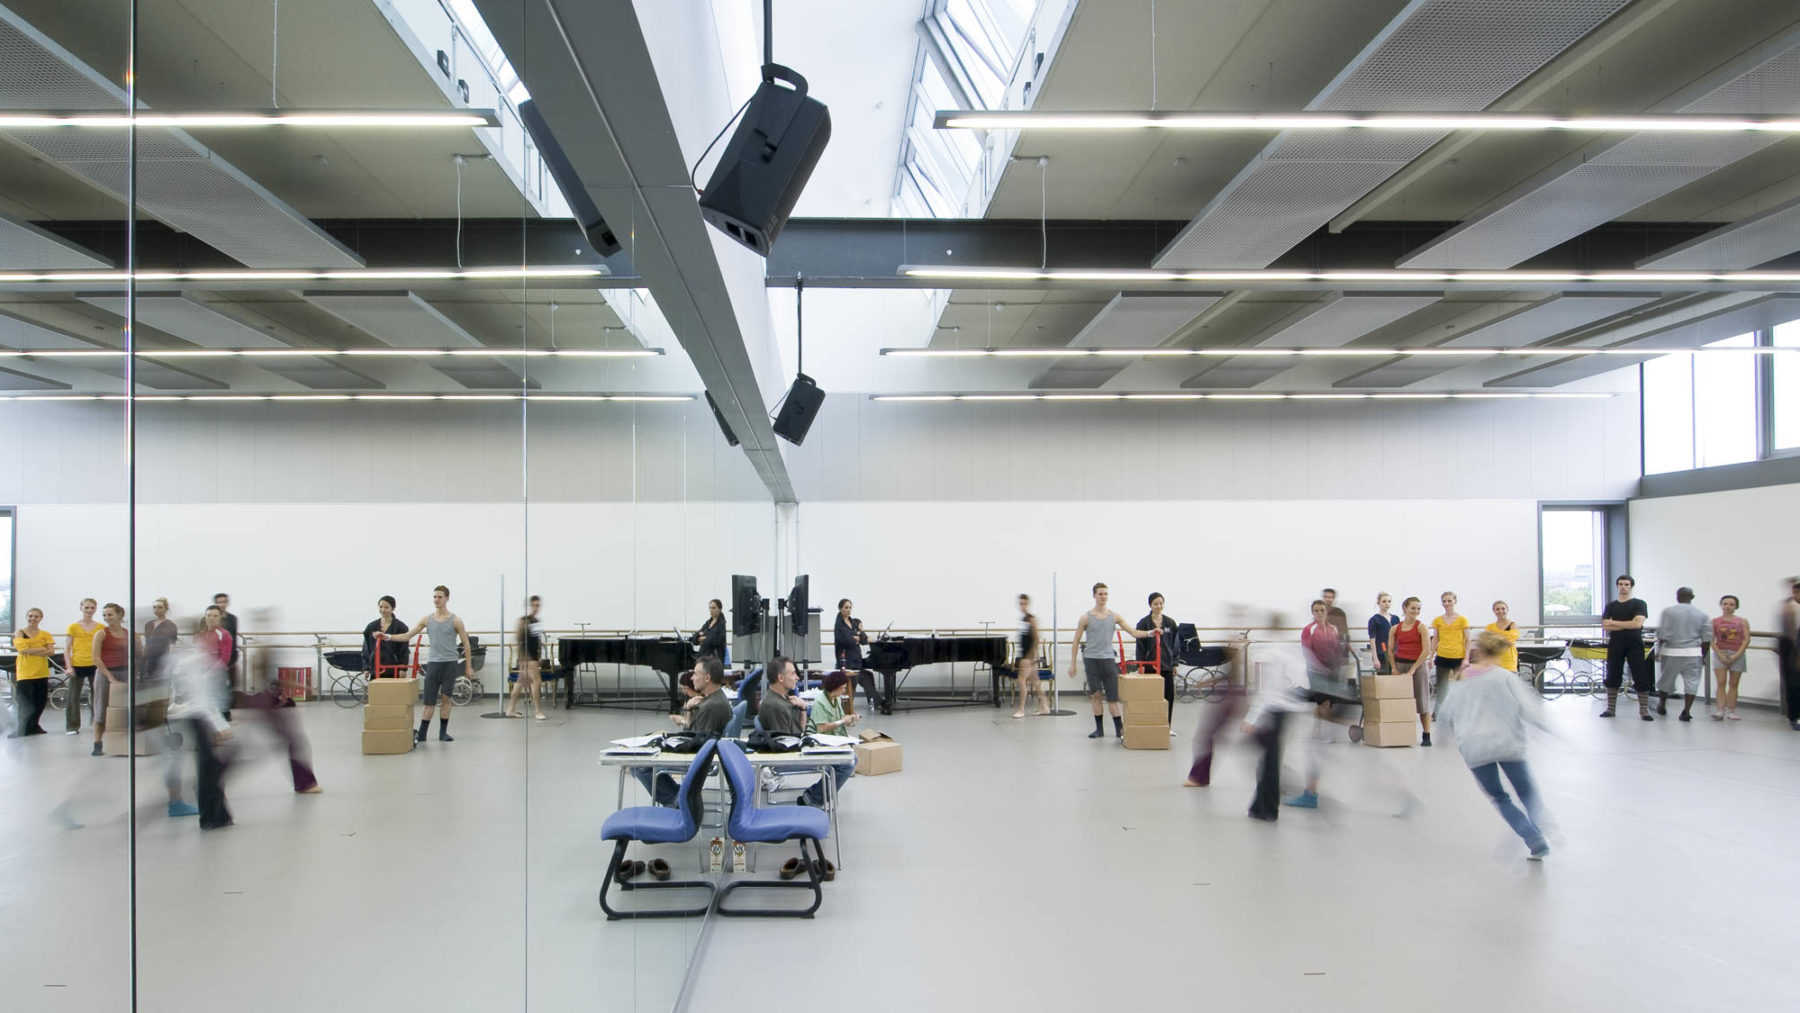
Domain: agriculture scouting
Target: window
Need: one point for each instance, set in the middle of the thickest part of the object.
(1700, 410)
(1573, 558)
(6, 570)
(1785, 389)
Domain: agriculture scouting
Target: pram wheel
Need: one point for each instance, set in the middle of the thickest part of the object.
(1356, 733)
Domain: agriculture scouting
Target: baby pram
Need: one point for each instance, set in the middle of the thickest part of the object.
(1207, 671)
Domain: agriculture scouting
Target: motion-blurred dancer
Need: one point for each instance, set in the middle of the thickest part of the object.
(1787, 650)
(1281, 693)
(1223, 711)
(1486, 711)
(194, 709)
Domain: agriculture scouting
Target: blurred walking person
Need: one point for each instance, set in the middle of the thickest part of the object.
(1486, 712)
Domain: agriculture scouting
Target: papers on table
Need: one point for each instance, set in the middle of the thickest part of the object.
(639, 745)
(832, 741)
(827, 751)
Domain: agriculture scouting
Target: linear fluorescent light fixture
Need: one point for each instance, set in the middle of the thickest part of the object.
(330, 353)
(977, 119)
(629, 398)
(1547, 351)
(404, 119)
(285, 275)
(1398, 277)
(1250, 396)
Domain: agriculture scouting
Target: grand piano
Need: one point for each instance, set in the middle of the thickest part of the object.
(666, 655)
(893, 655)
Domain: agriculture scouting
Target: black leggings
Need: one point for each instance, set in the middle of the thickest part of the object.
(1618, 657)
(30, 696)
(1788, 660)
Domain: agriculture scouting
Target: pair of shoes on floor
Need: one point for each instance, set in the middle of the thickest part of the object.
(792, 867)
(179, 809)
(628, 870)
(1304, 800)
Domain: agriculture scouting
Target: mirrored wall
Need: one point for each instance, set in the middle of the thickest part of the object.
(362, 506)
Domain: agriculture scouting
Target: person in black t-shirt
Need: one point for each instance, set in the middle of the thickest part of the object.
(1623, 622)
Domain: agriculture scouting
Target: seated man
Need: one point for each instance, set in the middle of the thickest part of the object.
(782, 713)
(708, 718)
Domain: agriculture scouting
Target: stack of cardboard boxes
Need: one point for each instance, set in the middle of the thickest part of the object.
(388, 720)
(1389, 715)
(1146, 712)
(116, 740)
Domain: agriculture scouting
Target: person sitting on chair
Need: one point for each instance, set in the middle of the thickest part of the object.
(708, 717)
(782, 713)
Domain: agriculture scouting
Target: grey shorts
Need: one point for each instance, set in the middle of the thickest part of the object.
(1102, 677)
(1736, 664)
(1688, 669)
(440, 677)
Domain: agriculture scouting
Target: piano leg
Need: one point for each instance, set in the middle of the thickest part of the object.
(674, 692)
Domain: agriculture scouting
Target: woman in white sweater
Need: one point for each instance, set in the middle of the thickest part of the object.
(1486, 712)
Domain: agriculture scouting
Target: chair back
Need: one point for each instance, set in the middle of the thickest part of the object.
(688, 800)
(740, 777)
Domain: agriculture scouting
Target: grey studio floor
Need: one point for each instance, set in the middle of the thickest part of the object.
(1011, 865)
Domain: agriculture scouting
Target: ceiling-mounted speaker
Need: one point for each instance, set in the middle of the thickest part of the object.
(587, 215)
(731, 439)
(798, 410)
(759, 178)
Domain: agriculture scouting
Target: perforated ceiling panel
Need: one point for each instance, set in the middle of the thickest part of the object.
(1704, 319)
(25, 247)
(401, 319)
(1736, 247)
(12, 379)
(1129, 321)
(1611, 178)
(1331, 324)
(1548, 319)
(179, 180)
(1437, 55)
(188, 320)
(404, 320)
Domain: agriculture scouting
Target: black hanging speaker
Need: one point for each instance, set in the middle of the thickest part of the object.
(798, 409)
(759, 178)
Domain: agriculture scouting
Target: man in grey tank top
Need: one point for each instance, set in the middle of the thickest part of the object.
(1093, 643)
(447, 635)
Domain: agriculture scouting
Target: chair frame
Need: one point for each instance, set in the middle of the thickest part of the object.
(745, 796)
(690, 800)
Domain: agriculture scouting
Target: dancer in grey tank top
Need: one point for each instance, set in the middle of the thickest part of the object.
(1094, 644)
(442, 661)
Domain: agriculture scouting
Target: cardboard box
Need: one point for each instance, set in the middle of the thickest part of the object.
(1147, 736)
(1390, 733)
(387, 718)
(1147, 712)
(1377, 710)
(1385, 687)
(118, 743)
(393, 692)
(877, 753)
(1141, 687)
(387, 741)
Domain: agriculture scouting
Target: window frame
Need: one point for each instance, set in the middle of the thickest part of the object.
(1614, 552)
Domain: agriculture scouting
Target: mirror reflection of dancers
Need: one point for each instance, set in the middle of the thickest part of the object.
(1028, 680)
(847, 633)
(530, 636)
(710, 637)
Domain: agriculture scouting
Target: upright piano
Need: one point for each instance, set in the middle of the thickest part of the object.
(894, 655)
(666, 655)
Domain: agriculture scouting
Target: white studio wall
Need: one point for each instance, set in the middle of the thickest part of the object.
(1741, 542)
(944, 565)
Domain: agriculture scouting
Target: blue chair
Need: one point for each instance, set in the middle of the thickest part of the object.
(659, 825)
(752, 824)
